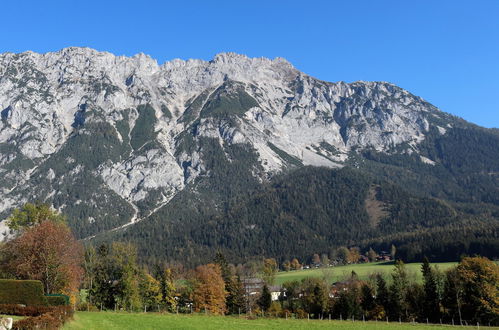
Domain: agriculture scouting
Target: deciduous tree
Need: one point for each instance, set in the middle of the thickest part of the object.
(480, 282)
(47, 252)
(269, 270)
(30, 215)
(209, 293)
(295, 264)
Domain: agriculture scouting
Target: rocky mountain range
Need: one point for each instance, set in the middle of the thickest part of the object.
(112, 141)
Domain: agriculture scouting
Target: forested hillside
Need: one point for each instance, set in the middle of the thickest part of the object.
(313, 210)
(245, 155)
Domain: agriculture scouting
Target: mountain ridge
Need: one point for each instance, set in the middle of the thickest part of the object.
(83, 130)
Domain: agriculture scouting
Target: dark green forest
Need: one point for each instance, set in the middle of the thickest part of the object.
(443, 211)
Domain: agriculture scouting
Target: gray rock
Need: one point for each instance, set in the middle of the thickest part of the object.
(46, 99)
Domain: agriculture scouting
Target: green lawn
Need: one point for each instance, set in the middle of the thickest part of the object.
(110, 320)
(14, 317)
(339, 273)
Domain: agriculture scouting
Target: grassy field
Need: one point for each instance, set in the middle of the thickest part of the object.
(339, 273)
(110, 320)
(14, 317)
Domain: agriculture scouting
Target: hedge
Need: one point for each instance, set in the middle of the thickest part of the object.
(57, 299)
(41, 317)
(29, 293)
(20, 310)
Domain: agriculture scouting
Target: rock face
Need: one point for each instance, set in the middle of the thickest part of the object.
(6, 323)
(110, 139)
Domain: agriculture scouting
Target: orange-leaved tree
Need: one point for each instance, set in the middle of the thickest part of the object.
(48, 252)
(209, 293)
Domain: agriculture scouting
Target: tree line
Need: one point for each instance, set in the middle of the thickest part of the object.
(112, 278)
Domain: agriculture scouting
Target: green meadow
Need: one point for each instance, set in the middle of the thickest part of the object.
(123, 321)
(14, 317)
(363, 271)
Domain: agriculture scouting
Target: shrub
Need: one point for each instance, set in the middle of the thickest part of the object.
(41, 317)
(57, 299)
(301, 314)
(20, 310)
(85, 306)
(275, 309)
(29, 293)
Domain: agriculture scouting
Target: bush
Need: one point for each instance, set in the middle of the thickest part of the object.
(39, 317)
(57, 299)
(29, 293)
(85, 306)
(301, 314)
(20, 310)
(51, 320)
(275, 309)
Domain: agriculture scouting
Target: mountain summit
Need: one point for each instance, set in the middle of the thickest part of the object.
(114, 140)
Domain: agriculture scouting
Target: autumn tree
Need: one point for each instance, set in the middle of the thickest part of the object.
(325, 260)
(315, 296)
(479, 279)
(167, 287)
(295, 264)
(343, 254)
(150, 290)
(209, 293)
(293, 293)
(30, 215)
(46, 251)
(393, 251)
(269, 270)
(116, 280)
(353, 255)
(286, 265)
(372, 255)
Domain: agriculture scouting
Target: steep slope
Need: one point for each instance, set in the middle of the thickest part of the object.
(310, 210)
(117, 141)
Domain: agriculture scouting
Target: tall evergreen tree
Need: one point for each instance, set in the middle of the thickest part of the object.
(236, 299)
(221, 261)
(432, 301)
(367, 298)
(382, 294)
(265, 299)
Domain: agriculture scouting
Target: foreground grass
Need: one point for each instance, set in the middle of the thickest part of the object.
(340, 273)
(110, 320)
(14, 317)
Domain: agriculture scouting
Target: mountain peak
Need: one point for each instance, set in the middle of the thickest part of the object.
(150, 123)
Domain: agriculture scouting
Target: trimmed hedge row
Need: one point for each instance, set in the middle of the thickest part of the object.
(57, 299)
(39, 317)
(28, 293)
(13, 309)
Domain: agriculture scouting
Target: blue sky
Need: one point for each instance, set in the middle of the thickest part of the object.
(444, 51)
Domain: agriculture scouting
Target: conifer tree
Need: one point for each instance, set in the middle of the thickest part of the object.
(432, 301)
(265, 299)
